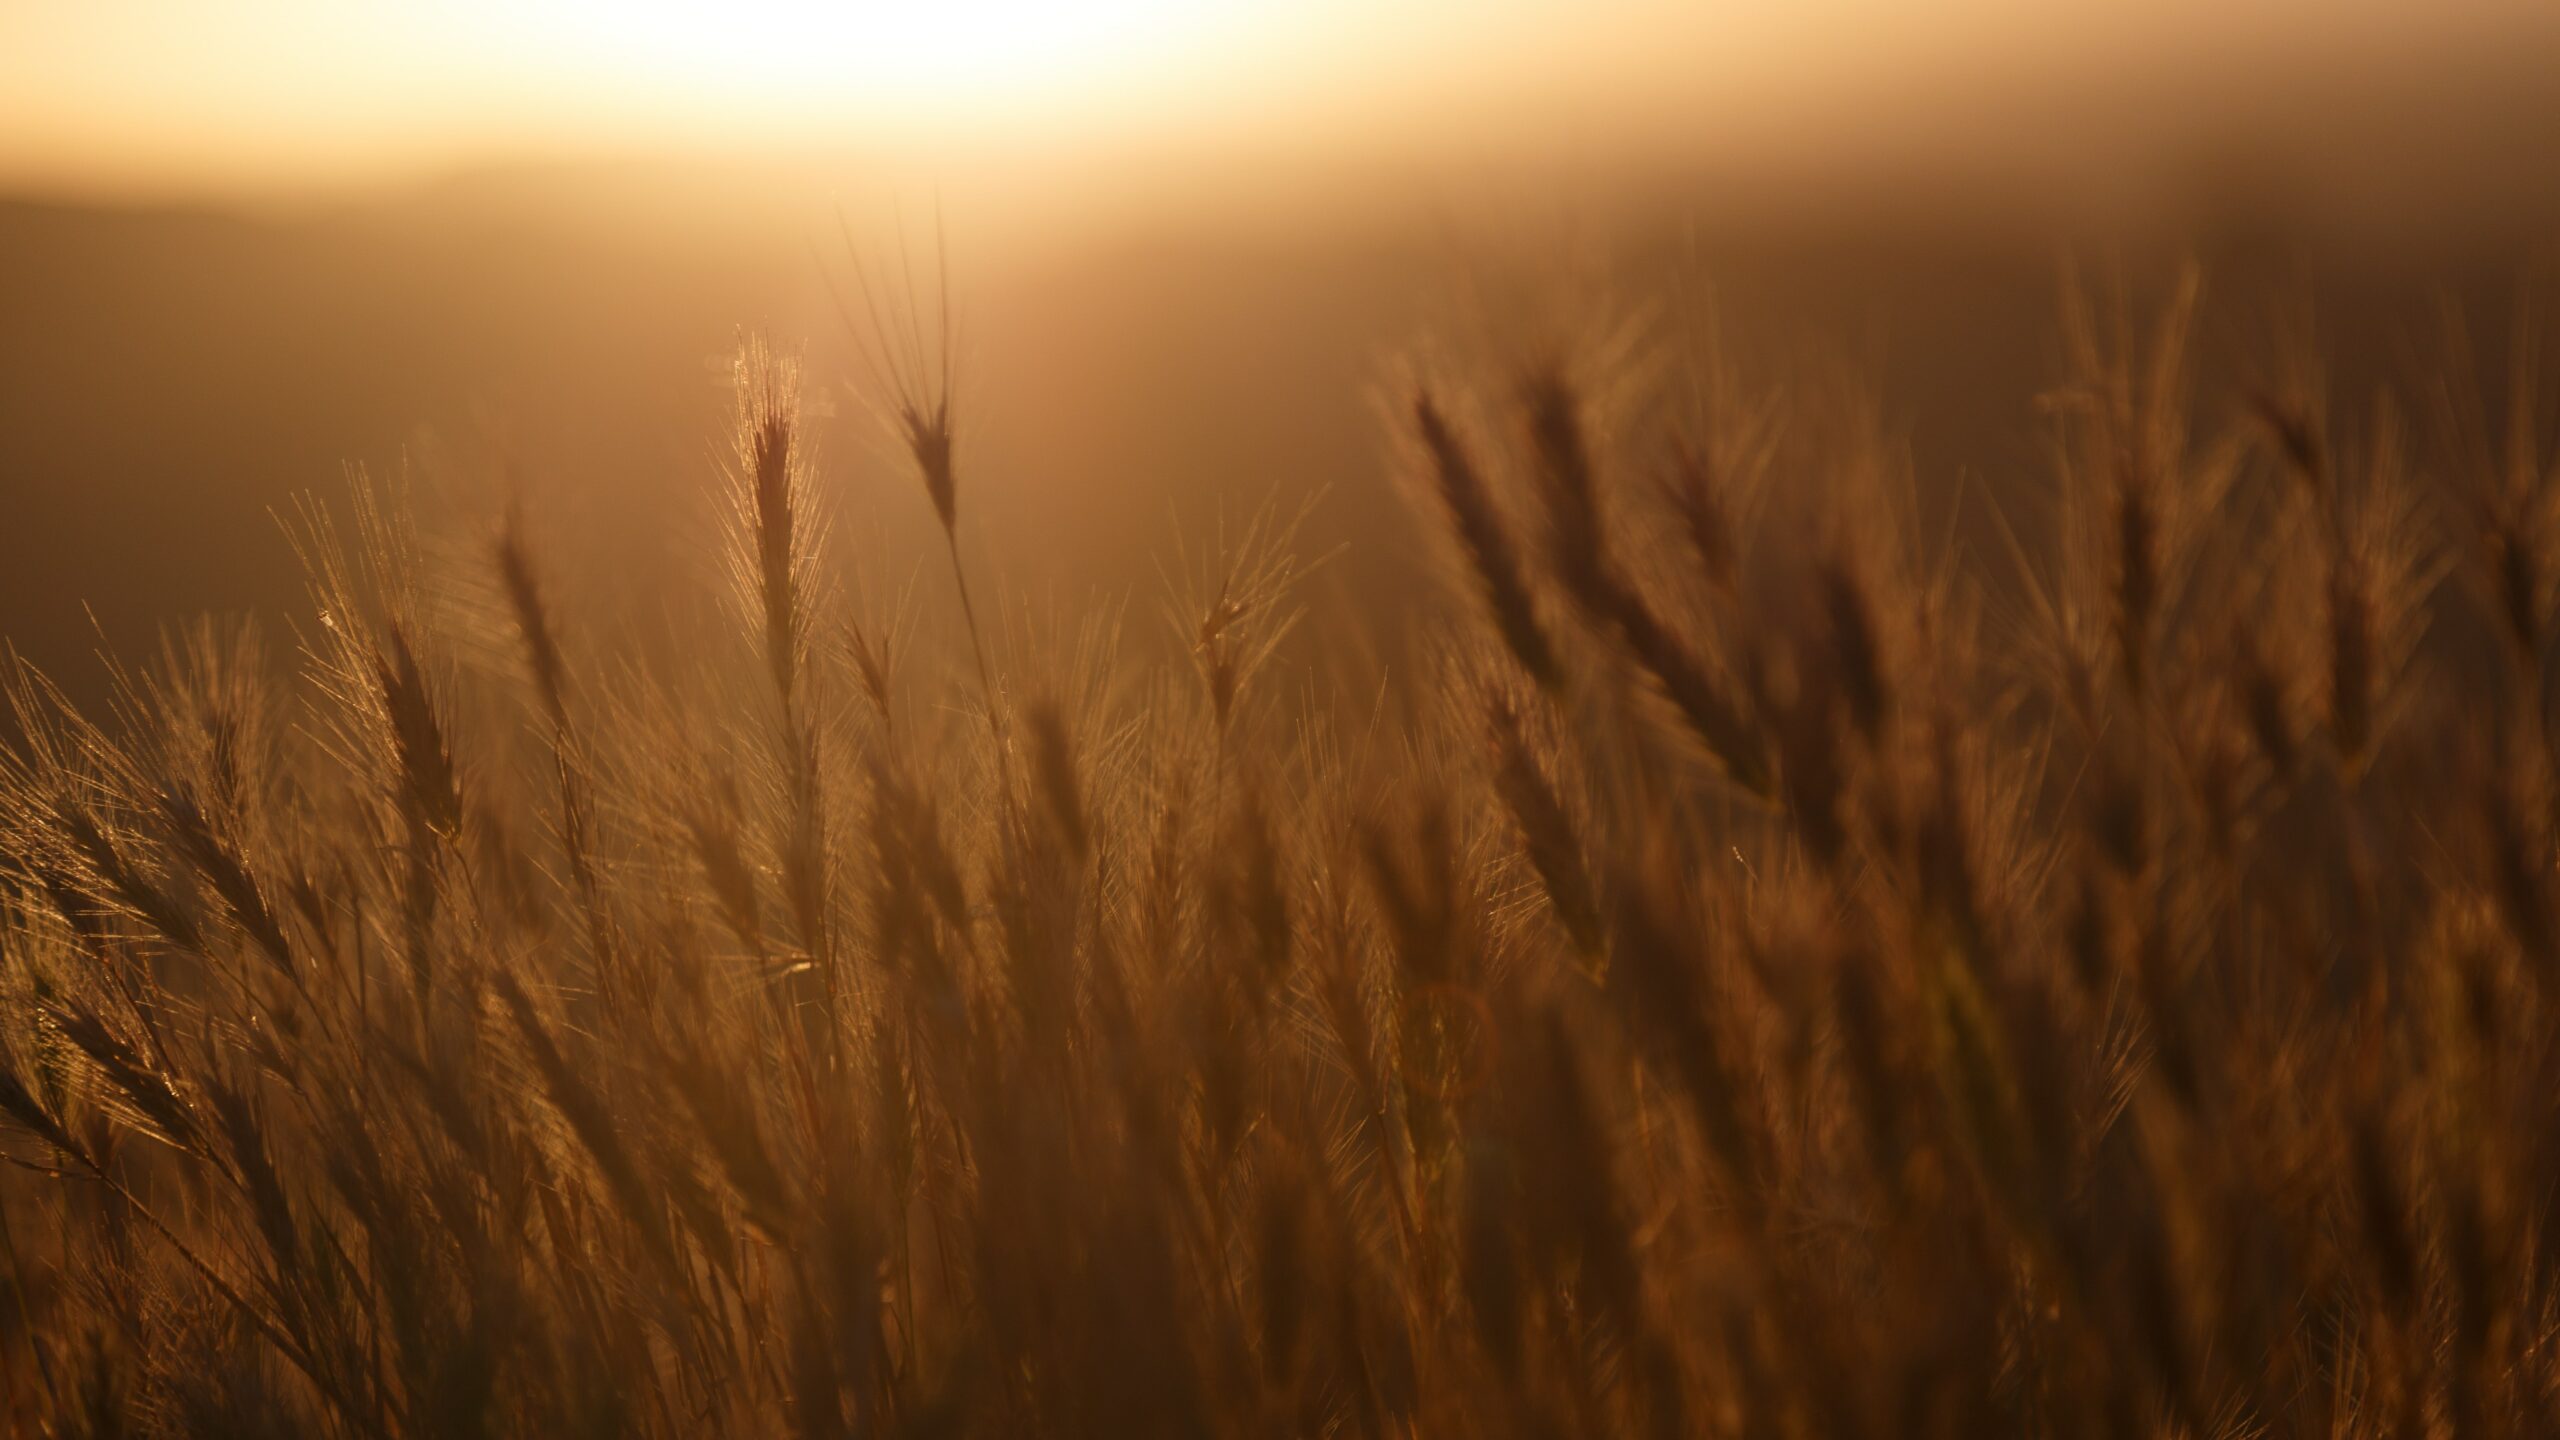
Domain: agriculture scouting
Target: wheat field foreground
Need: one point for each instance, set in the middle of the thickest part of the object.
(1770, 966)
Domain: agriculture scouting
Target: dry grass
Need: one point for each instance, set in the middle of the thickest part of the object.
(1785, 973)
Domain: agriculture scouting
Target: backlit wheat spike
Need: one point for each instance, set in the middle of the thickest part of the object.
(772, 502)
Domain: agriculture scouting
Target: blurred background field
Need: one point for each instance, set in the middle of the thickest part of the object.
(210, 311)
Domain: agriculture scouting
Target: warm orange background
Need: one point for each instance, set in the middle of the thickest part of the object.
(246, 244)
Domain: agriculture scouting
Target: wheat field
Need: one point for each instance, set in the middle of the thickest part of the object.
(1769, 963)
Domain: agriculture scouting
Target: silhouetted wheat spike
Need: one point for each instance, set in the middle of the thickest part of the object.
(533, 620)
(1579, 552)
(1482, 534)
(919, 395)
(1547, 831)
(430, 788)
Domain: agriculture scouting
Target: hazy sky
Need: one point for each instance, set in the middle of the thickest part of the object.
(156, 95)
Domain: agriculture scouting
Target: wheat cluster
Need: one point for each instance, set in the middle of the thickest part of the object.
(1786, 958)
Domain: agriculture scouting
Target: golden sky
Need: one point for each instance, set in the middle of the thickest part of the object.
(122, 95)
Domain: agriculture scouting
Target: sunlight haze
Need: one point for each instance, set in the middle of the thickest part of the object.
(150, 96)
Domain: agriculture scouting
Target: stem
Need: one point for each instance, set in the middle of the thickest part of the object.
(977, 643)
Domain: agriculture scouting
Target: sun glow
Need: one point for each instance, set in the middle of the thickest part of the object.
(918, 62)
(321, 88)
